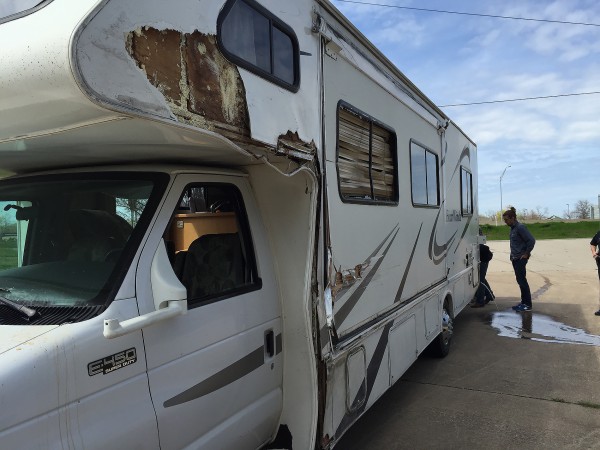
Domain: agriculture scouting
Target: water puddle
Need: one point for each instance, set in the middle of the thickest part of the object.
(538, 327)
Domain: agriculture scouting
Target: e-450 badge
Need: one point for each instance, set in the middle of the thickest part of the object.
(111, 363)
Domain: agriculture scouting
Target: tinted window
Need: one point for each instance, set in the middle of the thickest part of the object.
(466, 191)
(255, 39)
(283, 53)
(424, 176)
(209, 244)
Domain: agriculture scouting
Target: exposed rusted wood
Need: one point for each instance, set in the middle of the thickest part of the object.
(204, 89)
(157, 53)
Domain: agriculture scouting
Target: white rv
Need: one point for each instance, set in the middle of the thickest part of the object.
(229, 224)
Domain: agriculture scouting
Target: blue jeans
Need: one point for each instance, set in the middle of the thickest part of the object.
(521, 275)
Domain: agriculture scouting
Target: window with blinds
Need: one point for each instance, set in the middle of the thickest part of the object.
(366, 159)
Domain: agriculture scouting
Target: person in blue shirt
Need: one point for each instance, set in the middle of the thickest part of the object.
(521, 245)
(594, 247)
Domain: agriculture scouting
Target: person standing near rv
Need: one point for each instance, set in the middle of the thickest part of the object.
(594, 243)
(484, 292)
(521, 245)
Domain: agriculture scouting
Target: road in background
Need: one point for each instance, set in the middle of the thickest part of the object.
(512, 380)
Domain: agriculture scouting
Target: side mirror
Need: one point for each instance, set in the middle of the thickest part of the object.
(170, 298)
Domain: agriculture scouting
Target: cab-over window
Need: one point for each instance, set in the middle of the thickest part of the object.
(252, 37)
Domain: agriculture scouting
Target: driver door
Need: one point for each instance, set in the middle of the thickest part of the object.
(215, 373)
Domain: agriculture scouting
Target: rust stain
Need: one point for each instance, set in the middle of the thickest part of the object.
(358, 270)
(346, 278)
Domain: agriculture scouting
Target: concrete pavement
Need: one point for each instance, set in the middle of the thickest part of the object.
(512, 380)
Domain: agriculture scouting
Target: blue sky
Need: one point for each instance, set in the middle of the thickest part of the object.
(552, 145)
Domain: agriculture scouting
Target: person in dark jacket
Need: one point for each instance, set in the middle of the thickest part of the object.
(594, 244)
(521, 245)
(484, 292)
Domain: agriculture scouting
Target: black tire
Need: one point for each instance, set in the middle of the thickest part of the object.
(440, 347)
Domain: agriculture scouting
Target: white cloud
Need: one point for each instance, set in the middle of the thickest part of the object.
(403, 32)
(565, 42)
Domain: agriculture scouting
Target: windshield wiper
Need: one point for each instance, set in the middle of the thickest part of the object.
(29, 312)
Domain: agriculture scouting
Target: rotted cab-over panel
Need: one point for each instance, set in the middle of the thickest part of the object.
(202, 88)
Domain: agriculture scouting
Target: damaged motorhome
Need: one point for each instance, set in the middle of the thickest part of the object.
(229, 223)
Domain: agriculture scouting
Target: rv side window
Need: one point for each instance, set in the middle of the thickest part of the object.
(256, 40)
(424, 176)
(209, 244)
(466, 192)
(366, 159)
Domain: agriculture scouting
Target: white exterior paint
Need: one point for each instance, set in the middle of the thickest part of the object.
(301, 355)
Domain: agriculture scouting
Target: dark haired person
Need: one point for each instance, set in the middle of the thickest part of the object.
(594, 243)
(521, 245)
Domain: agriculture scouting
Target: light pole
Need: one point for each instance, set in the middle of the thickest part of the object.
(503, 172)
(568, 212)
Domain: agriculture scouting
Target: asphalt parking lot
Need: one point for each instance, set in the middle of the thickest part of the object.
(512, 380)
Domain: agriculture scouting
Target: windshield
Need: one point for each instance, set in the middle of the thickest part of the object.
(66, 242)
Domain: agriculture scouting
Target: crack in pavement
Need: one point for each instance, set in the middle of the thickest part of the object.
(530, 397)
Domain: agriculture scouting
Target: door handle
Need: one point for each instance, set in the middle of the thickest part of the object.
(270, 343)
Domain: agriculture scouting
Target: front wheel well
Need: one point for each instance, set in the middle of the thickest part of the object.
(440, 346)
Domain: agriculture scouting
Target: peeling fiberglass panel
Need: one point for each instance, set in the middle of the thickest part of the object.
(202, 88)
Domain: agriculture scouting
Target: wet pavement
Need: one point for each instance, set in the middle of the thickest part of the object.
(527, 380)
(538, 327)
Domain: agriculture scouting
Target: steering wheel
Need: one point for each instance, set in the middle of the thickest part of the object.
(219, 205)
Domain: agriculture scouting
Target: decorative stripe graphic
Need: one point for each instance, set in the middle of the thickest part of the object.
(463, 233)
(341, 293)
(405, 276)
(466, 153)
(347, 307)
(372, 371)
(437, 252)
(228, 375)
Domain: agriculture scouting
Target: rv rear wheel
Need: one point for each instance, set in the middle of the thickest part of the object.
(441, 345)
